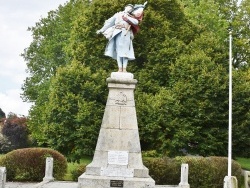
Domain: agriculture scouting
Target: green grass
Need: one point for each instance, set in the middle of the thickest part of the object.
(244, 162)
(72, 166)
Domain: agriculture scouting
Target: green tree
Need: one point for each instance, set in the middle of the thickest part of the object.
(72, 113)
(241, 113)
(47, 51)
(200, 89)
(241, 35)
(181, 65)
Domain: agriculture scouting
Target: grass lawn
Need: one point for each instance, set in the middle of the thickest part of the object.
(72, 166)
(244, 162)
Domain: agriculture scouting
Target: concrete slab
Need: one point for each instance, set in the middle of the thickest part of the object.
(19, 185)
(56, 184)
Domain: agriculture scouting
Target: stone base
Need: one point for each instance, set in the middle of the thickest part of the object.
(122, 75)
(89, 181)
(48, 179)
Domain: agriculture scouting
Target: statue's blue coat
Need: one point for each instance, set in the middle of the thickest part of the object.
(120, 44)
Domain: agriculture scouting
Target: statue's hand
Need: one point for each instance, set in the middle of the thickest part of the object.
(99, 31)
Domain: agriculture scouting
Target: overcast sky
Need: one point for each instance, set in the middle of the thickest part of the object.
(15, 17)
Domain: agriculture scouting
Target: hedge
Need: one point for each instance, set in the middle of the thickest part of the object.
(29, 164)
(204, 172)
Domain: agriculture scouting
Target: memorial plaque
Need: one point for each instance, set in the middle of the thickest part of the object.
(118, 157)
(116, 183)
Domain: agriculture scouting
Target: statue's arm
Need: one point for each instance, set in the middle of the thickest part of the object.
(108, 23)
(130, 20)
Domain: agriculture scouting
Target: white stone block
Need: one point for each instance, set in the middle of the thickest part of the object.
(49, 170)
(88, 181)
(111, 117)
(230, 182)
(2, 177)
(116, 117)
(117, 171)
(100, 158)
(184, 176)
(122, 75)
(121, 97)
(141, 172)
(128, 119)
(247, 179)
(135, 160)
(118, 140)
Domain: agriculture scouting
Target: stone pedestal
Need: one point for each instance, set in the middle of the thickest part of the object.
(117, 159)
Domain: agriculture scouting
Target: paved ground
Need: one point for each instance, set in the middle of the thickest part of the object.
(41, 185)
(56, 184)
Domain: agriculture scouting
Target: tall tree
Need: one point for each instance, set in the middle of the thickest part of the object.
(71, 117)
(241, 35)
(47, 52)
(181, 65)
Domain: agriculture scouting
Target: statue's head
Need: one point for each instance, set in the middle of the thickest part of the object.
(129, 8)
(138, 10)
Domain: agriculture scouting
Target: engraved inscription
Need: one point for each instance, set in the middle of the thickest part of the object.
(116, 183)
(118, 157)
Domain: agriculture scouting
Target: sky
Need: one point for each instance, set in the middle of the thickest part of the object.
(15, 18)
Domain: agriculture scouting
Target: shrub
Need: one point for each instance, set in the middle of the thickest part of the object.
(163, 170)
(203, 172)
(210, 171)
(29, 164)
(78, 171)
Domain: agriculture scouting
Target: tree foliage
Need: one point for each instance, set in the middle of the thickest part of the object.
(241, 113)
(2, 114)
(181, 65)
(74, 109)
(241, 34)
(16, 132)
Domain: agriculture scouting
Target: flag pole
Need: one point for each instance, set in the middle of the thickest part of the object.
(230, 108)
(228, 183)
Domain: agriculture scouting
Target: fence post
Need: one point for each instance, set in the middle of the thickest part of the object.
(49, 170)
(2, 177)
(184, 176)
(247, 179)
